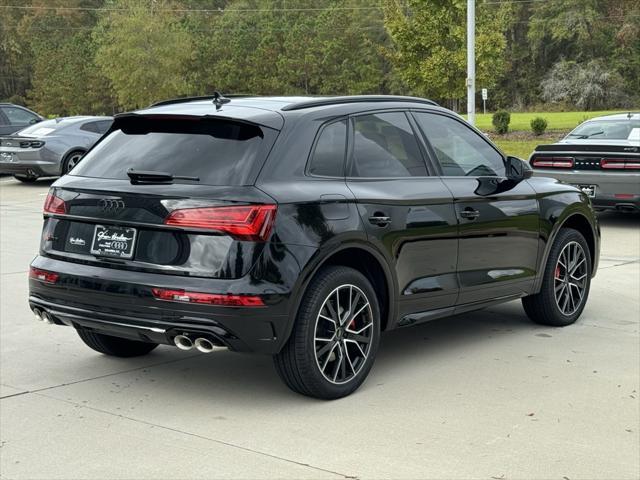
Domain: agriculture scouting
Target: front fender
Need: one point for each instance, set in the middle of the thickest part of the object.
(567, 205)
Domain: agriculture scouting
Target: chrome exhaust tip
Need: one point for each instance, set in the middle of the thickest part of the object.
(46, 318)
(204, 345)
(38, 313)
(183, 342)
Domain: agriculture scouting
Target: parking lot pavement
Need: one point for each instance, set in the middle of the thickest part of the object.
(482, 395)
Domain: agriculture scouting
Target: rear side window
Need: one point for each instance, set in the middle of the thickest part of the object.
(384, 145)
(218, 152)
(103, 125)
(90, 127)
(328, 155)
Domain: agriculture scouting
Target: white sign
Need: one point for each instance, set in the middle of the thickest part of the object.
(485, 94)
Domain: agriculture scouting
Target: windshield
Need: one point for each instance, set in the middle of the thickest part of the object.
(216, 152)
(607, 130)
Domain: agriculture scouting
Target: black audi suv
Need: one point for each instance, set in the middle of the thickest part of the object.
(302, 228)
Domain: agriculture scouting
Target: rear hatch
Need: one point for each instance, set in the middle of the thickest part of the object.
(165, 194)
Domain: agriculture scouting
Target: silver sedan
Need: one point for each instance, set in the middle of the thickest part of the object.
(50, 148)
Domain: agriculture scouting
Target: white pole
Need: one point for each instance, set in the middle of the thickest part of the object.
(471, 62)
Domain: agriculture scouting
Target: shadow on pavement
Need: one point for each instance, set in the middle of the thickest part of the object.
(226, 377)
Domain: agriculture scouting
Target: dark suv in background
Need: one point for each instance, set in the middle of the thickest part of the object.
(14, 118)
(302, 228)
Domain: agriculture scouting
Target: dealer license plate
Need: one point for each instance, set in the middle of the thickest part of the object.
(116, 242)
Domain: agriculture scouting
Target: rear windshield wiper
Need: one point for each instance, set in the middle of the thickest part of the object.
(589, 135)
(140, 176)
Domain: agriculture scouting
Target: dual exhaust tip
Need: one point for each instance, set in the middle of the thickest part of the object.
(201, 344)
(43, 316)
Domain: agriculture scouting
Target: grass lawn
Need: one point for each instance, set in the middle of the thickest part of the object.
(556, 120)
(518, 148)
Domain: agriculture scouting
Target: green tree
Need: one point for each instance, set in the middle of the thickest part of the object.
(144, 49)
(15, 67)
(429, 45)
(52, 47)
(295, 47)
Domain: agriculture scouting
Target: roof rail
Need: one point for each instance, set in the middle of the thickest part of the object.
(356, 99)
(193, 99)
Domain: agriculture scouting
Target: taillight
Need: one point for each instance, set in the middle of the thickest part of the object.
(553, 162)
(43, 275)
(207, 298)
(54, 205)
(620, 163)
(250, 222)
(31, 144)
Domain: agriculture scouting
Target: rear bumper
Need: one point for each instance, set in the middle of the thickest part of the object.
(120, 303)
(619, 190)
(38, 168)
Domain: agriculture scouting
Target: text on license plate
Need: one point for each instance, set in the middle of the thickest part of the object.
(117, 242)
(589, 190)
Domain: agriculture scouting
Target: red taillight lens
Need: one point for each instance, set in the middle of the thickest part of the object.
(620, 164)
(43, 275)
(250, 222)
(207, 298)
(54, 205)
(553, 162)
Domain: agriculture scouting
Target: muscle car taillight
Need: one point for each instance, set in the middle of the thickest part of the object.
(31, 144)
(553, 162)
(620, 164)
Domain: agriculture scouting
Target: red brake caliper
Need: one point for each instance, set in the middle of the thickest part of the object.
(557, 273)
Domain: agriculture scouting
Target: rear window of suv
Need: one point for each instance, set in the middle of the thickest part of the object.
(218, 152)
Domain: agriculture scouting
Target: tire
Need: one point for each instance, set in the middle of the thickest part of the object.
(115, 346)
(560, 310)
(25, 178)
(71, 160)
(325, 360)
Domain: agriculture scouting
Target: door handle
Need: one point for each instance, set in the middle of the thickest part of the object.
(380, 220)
(469, 213)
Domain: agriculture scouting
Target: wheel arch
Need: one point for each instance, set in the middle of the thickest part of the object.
(67, 154)
(576, 219)
(363, 258)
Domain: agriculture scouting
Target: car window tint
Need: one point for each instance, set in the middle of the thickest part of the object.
(18, 116)
(103, 126)
(459, 150)
(605, 129)
(384, 145)
(328, 154)
(90, 127)
(218, 152)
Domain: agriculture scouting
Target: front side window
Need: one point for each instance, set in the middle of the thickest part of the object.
(459, 150)
(18, 116)
(328, 155)
(384, 145)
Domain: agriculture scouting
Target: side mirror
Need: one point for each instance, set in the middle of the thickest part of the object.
(33, 121)
(517, 169)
